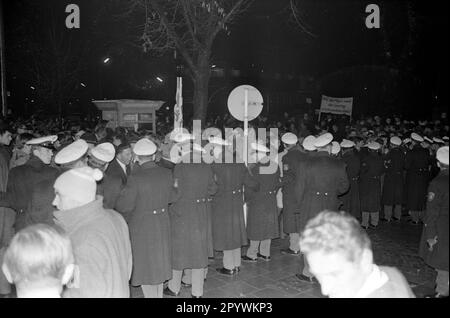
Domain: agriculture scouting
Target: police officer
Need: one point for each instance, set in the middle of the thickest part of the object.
(434, 241)
(23, 180)
(108, 187)
(394, 162)
(319, 183)
(351, 200)
(372, 169)
(190, 222)
(227, 214)
(291, 208)
(417, 164)
(262, 219)
(145, 204)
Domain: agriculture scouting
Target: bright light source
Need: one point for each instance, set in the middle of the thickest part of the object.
(159, 79)
(82, 84)
(213, 66)
(32, 87)
(106, 60)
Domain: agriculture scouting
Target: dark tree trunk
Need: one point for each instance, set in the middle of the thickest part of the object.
(201, 83)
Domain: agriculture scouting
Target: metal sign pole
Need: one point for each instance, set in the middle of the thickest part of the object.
(246, 126)
(245, 143)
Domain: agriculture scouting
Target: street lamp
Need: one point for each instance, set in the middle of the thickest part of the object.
(159, 79)
(106, 60)
(82, 84)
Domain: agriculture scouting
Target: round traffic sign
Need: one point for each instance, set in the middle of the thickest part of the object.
(236, 102)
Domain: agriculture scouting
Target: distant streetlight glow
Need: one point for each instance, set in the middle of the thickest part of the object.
(82, 84)
(32, 87)
(159, 79)
(213, 66)
(105, 61)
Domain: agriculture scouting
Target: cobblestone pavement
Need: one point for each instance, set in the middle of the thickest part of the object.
(394, 244)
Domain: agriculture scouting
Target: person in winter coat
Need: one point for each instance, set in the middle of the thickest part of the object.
(100, 237)
(434, 241)
(190, 227)
(319, 183)
(372, 169)
(262, 218)
(392, 197)
(145, 204)
(351, 199)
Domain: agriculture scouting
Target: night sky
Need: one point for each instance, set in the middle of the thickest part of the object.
(265, 40)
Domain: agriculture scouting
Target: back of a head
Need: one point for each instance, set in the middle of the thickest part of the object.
(38, 254)
(331, 232)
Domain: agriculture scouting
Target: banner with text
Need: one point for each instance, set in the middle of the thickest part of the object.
(336, 105)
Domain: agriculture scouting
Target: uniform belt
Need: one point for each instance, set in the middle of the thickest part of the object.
(201, 200)
(355, 179)
(271, 192)
(236, 191)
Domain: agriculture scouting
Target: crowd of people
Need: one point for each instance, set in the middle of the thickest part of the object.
(112, 207)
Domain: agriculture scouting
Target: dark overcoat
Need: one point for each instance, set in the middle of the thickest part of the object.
(115, 170)
(291, 208)
(320, 181)
(351, 200)
(144, 202)
(436, 223)
(417, 165)
(394, 162)
(109, 188)
(22, 182)
(262, 214)
(190, 224)
(372, 169)
(228, 224)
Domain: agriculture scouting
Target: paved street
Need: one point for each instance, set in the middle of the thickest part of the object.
(394, 244)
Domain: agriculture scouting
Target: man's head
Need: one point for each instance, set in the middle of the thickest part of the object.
(5, 135)
(101, 155)
(73, 155)
(338, 252)
(289, 140)
(39, 257)
(21, 141)
(124, 153)
(145, 150)
(76, 187)
(323, 142)
(42, 148)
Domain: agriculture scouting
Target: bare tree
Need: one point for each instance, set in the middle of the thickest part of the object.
(189, 27)
(51, 53)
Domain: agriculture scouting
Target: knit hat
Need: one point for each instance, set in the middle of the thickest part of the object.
(79, 184)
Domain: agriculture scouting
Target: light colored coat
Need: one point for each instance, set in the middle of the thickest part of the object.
(102, 249)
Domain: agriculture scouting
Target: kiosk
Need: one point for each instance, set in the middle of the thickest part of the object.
(130, 113)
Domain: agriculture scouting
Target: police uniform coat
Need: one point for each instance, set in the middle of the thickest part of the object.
(227, 206)
(262, 213)
(394, 162)
(417, 163)
(291, 208)
(189, 215)
(320, 181)
(436, 223)
(351, 200)
(144, 202)
(22, 182)
(372, 168)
